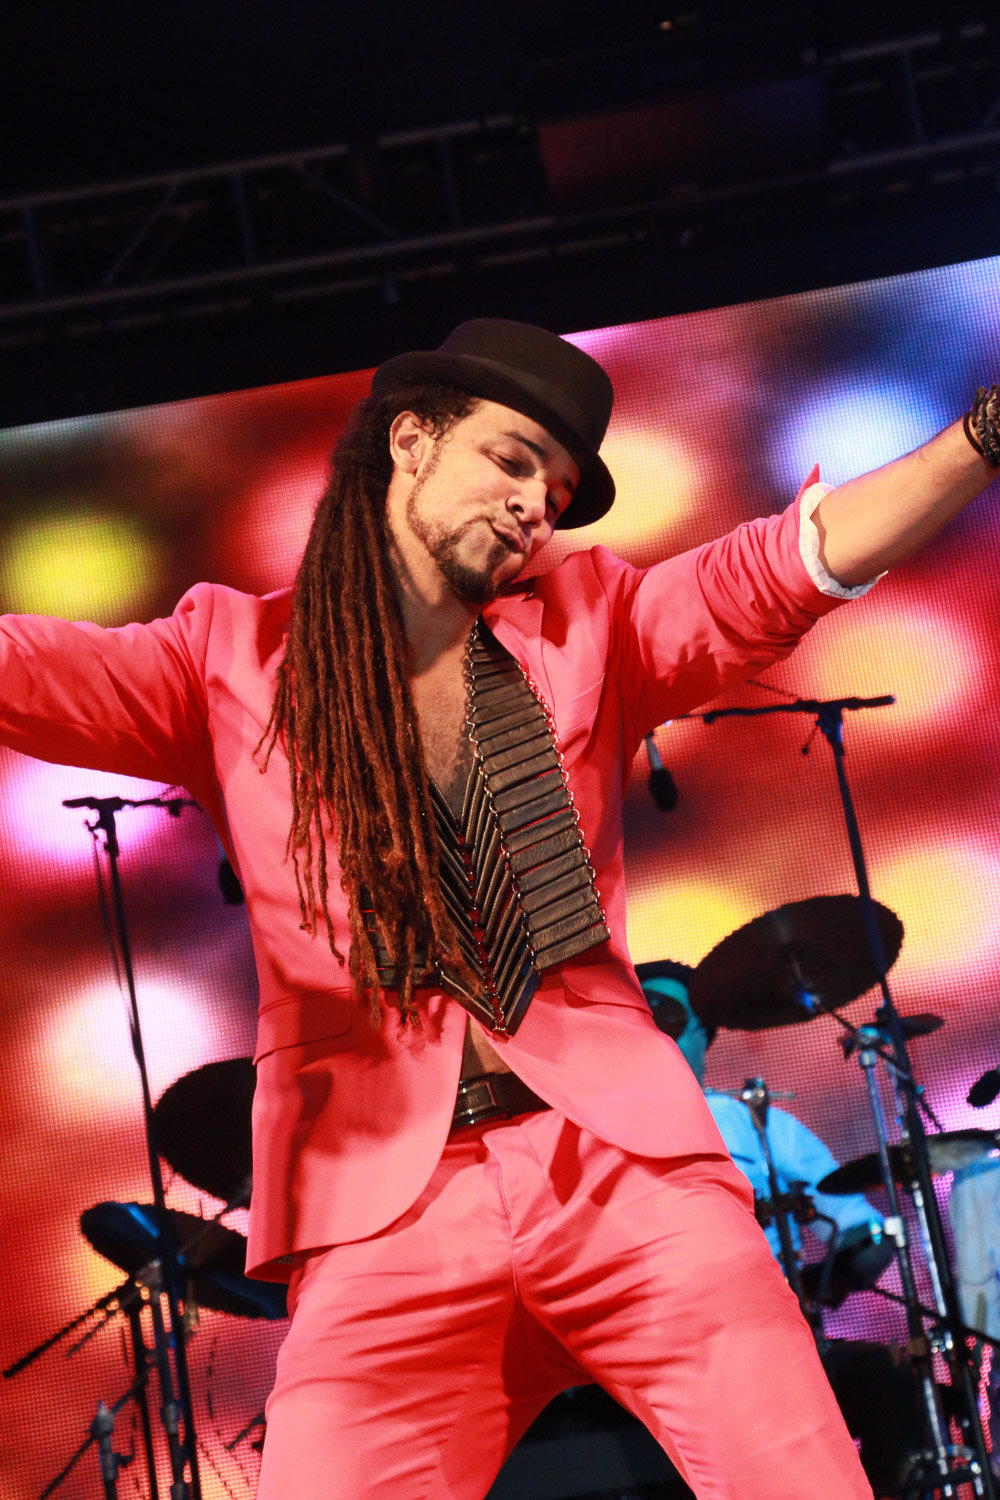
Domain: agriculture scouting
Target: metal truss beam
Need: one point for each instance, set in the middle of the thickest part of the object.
(436, 202)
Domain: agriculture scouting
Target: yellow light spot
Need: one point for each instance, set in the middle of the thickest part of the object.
(81, 565)
(924, 659)
(947, 898)
(683, 920)
(658, 490)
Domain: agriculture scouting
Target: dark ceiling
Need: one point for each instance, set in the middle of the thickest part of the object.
(203, 196)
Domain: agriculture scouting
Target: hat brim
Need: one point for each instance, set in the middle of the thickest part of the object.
(595, 492)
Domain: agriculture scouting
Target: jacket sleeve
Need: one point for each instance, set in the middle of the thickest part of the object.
(685, 629)
(130, 700)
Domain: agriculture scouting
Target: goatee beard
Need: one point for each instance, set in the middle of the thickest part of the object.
(476, 586)
(472, 585)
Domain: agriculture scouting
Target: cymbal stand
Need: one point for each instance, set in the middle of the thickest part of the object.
(788, 1206)
(967, 1330)
(125, 1298)
(255, 1421)
(176, 1410)
(102, 1430)
(128, 1300)
(108, 1305)
(757, 1100)
(919, 1347)
(140, 1356)
(946, 1467)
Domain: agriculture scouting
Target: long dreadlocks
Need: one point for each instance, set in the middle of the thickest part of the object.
(344, 707)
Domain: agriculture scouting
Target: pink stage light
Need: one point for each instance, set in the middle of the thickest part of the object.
(86, 1044)
(33, 794)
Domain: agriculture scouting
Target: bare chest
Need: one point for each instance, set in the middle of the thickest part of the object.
(441, 700)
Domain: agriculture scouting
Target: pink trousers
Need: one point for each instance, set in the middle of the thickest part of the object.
(540, 1257)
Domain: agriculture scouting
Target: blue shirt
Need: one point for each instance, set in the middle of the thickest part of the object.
(798, 1156)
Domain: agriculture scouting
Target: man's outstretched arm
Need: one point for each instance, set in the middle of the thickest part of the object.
(869, 524)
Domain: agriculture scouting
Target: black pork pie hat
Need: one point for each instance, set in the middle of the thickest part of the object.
(533, 372)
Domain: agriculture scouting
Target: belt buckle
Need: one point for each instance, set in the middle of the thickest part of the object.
(470, 1108)
(491, 1089)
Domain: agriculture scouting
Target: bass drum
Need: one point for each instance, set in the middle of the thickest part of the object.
(879, 1397)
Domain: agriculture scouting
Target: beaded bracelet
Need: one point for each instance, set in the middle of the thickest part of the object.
(982, 424)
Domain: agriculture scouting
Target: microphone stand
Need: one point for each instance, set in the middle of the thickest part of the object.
(949, 1466)
(176, 1411)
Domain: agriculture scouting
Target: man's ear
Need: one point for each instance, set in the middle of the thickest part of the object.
(409, 442)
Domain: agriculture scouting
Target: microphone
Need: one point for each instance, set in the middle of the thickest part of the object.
(229, 884)
(662, 786)
(985, 1089)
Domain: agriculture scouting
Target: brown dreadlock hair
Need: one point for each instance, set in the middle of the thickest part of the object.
(343, 705)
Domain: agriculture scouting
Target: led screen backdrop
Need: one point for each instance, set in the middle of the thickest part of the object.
(719, 417)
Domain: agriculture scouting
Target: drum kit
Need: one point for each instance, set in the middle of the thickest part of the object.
(203, 1132)
(785, 968)
(803, 960)
(174, 1262)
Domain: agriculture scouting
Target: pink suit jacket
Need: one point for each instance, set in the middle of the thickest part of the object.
(350, 1120)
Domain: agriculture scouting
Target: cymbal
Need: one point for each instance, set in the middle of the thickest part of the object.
(203, 1127)
(946, 1153)
(779, 968)
(212, 1257)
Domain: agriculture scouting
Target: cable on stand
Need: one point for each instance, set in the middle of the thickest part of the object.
(169, 1346)
(944, 1466)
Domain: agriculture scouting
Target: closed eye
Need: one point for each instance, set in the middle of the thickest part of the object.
(516, 466)
(522, 467)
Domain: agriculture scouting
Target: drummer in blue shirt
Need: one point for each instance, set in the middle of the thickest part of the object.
(873, 1383)
(800, 1159)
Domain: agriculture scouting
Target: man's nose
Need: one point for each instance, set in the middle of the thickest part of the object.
(528, 501)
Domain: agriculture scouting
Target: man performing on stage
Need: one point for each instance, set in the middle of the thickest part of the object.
(486, 1172)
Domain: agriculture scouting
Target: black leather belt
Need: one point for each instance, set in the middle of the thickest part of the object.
(493, 1095)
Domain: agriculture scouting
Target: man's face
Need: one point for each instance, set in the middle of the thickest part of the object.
(668, 1000)
(484, 497)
